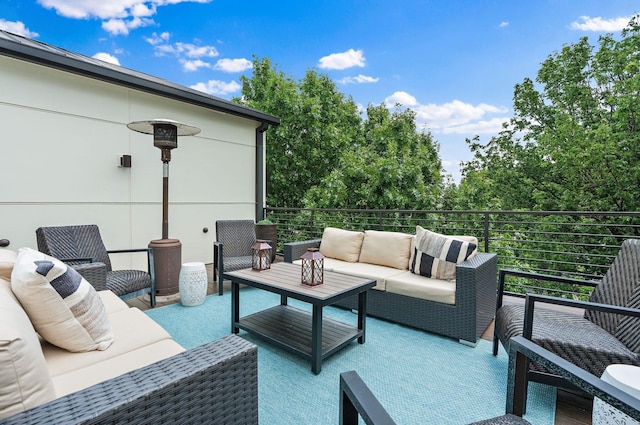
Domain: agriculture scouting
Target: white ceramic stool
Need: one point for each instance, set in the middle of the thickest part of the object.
(193, 284)
(626, 378)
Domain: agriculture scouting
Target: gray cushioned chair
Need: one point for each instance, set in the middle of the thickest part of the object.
(607, 333)
(357, 400)
(82, 247)
(232, 249)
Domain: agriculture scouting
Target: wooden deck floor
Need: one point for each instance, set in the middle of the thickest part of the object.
(570, 409)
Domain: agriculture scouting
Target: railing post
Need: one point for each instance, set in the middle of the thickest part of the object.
(486, 232)
(312, 224)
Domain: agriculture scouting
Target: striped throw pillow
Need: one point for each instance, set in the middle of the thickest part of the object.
(437, 255)
(63, 307)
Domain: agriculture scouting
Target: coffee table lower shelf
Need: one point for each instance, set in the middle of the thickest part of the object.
(291, 328)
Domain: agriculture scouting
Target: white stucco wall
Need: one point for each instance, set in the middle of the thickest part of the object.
(61, 136)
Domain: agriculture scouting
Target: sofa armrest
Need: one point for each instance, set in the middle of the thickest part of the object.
(477, 277)
(94, 273)
(294, 250)
(214, 383)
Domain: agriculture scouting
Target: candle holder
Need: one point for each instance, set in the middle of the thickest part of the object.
(260, 256)
(312, 267)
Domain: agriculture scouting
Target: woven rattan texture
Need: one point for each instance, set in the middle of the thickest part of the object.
(617, 285)
(216, 383)
(237, 237)
(66, 242)
(466, 320)
(568, 335)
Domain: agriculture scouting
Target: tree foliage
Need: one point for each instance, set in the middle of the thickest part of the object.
(573, 143)
(318, 124)
(324, 154)
(392, 167)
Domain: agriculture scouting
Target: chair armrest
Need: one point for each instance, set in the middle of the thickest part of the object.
(293, 250)
(94, 273)
(357, 399)
(522, 351)
(538, 276)
(208, 384)
(532, 299)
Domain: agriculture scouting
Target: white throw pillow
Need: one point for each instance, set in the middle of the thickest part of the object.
(341, 244)
(24, 377)
(391, 249)
(63, 307)
(7, 260)
(436, 255)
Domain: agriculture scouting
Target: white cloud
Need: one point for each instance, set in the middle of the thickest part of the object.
(599, 24)
(233, 65)
(402, 98)
(344, 60)
(455, 117)
(194, 65)
(106, 57)
(216, 87)
(504, 24)
(158, 38)
(119, 16)
(359, 79)
(188, 54)
(17, 27)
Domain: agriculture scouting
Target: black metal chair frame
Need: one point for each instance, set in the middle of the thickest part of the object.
(530, 302)
(356, 399)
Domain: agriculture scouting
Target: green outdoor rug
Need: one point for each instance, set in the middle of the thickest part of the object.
(419, 377)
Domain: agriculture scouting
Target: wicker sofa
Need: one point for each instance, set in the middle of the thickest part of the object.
(461, 308)
(144, 376)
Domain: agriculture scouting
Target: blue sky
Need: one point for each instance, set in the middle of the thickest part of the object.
(454, 62)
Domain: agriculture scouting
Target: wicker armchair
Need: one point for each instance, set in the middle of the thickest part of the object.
(232, 249)
(356, 399)
(82, 248)
(607, 333)
(215, 383)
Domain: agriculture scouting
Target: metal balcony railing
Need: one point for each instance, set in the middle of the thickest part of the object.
(576, 244)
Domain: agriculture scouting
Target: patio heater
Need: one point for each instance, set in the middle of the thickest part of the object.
(167, 253)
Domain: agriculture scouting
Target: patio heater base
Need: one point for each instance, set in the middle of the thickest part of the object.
(167, 258)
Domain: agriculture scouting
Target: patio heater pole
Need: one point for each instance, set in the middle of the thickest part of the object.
(167, 253)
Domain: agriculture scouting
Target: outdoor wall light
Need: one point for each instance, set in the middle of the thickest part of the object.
(167, 252)
(312, 267)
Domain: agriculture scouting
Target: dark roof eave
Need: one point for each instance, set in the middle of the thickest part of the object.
(122, 78)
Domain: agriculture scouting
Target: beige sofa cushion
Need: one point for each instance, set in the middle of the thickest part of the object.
(132, 329)
(84, 377)
(426, 288)
(391, 249)
(437, 255)
(63, 307)
(112, 302)
(7, 260)
(24, 378)
(371, 271)
(341, 244)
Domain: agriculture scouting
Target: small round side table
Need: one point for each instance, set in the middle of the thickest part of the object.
(193, 284)
(625, 377)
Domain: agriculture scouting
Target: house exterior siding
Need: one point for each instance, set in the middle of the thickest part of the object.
(62, 136)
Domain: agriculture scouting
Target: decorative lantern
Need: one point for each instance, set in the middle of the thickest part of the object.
(260, 256)
(312, 267)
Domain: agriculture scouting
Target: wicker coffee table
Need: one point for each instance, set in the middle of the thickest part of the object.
(300, 331)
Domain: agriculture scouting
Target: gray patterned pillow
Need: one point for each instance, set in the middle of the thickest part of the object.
(437, 255)
(63, 307)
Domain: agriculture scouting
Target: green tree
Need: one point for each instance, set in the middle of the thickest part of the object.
(318, 124)
(393, 167)
(573, 143)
